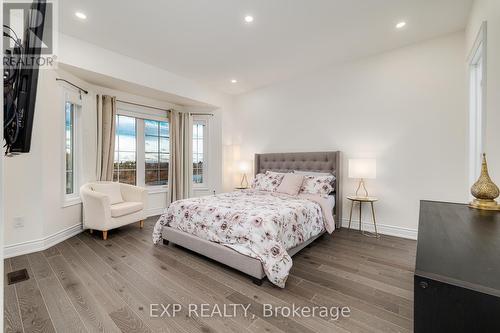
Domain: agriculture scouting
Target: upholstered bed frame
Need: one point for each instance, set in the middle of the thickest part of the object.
(279, 162)
(328, 162)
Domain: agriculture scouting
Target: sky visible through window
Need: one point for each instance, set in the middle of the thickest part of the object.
(198, 161)
(157, 151)
(69, 128)
(125, 150)
(126, 132)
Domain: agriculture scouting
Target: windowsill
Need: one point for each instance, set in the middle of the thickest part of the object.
(157, 189)
(200, 187)
(71, 201)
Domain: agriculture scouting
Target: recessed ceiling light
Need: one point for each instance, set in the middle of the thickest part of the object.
(81, 15)
(401, 25)
(234, 81)
(248, 19)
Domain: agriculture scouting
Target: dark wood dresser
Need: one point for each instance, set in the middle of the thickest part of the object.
(457, 274)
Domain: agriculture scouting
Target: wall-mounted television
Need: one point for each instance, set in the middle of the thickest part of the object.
(21, 67)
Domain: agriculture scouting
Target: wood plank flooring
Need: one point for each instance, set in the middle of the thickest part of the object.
(86, 284)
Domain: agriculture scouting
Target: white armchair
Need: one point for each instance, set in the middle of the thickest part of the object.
(109, 205)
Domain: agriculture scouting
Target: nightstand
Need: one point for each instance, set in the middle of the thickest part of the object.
(360, 201)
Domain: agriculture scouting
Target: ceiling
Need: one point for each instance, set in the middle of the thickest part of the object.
(129, 87)
(209, 42)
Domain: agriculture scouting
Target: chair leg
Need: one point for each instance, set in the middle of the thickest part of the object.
(91, 231)
(141, 224)
(104, 235)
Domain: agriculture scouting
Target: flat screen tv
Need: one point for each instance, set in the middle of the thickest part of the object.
(21, 79)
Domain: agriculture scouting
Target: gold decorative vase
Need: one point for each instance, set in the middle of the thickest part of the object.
(485, 191)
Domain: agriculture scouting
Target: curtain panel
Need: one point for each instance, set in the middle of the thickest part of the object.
(180, 171)
(106, 127)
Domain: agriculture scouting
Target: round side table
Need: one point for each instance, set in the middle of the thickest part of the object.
(362, 200)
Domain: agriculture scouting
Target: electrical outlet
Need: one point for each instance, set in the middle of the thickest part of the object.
(18, 222)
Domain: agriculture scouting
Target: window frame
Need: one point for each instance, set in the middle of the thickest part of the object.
(162, 186)
(477, 102)
(205, 120)
(75, 99)
(140, 114)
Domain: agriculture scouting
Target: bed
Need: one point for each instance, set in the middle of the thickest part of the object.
(255, 232)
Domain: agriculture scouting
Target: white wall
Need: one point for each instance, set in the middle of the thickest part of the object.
(489, 10)
(33, 181)
(80, 54)
(406, 108)
(24, 174)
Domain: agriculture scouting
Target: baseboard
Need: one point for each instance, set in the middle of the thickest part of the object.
(383, 229)
(41, 244)
(154, 211)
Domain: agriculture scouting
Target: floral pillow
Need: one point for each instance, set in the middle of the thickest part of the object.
(321, 185)
(267, 182)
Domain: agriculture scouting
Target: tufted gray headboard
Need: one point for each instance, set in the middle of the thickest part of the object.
(329, 161)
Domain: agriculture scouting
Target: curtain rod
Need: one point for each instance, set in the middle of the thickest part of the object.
(201, 114)
(156, 108)
(145, 106)
(132, 103)
(74, 85)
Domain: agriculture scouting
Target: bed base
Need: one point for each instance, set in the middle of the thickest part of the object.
(255, 280)
(223, 254)
(280, 162)
(258, 282)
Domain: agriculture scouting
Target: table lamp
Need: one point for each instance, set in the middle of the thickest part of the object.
(244, 168)
(362, 169)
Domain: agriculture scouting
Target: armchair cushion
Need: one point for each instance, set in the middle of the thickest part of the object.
(108, 205)
(112, 190)
(125, 208)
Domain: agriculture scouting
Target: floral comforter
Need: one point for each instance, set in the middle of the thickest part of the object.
(259, 224)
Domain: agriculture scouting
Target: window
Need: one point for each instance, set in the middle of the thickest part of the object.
(198, 150)
(477, 93)
(71, 105)
(125, 165)
(69, 130)
(142, 148)
(157, 151)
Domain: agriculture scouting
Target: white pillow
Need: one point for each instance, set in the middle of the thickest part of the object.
(112, 190)
(291, 184)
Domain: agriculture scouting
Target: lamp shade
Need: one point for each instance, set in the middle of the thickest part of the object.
(363, 168)
(243, 166)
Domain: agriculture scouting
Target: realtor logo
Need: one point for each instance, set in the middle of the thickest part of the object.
(29, 30)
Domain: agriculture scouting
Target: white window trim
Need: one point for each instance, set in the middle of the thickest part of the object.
(204, 119)
(75, 98)
(477, 141)
(141, 114)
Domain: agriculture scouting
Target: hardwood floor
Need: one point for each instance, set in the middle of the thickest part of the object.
(86, 284)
